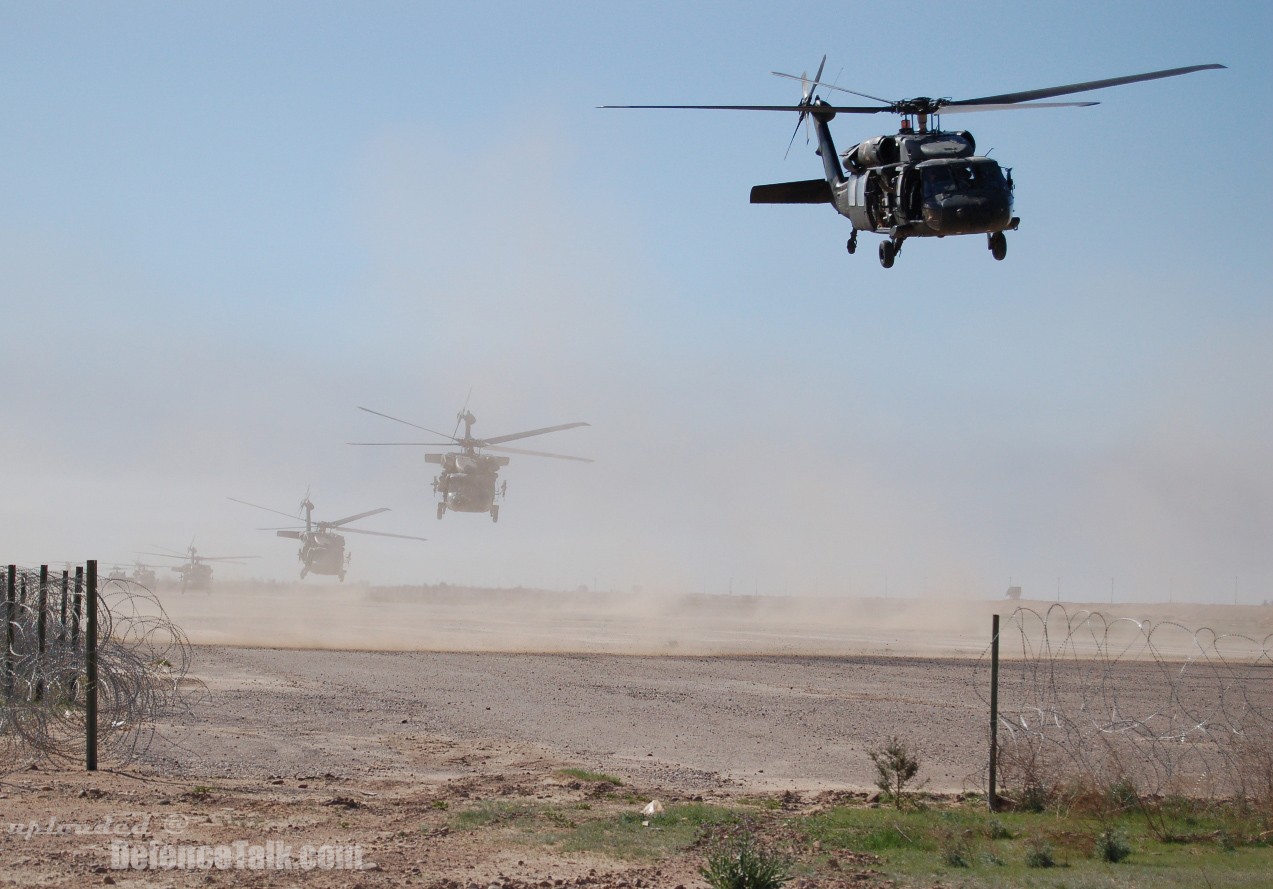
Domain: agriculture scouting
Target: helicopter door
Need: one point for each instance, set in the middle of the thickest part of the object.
(909, 196)
(861, 193)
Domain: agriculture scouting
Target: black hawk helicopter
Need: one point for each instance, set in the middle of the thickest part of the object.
(141, 574)
(196, 573)
(469, 480)
(322, 549)
(921, 182)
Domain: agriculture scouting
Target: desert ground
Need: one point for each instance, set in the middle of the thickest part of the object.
(394, 719)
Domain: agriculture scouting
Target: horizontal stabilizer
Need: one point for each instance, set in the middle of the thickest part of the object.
(294, 535)
(811, 191)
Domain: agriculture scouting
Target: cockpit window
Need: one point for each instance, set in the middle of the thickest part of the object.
(949, 178)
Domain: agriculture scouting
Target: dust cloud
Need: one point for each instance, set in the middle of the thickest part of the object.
(523, 620)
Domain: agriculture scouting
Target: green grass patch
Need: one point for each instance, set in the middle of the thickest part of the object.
(594, 777)
(956, 845)
(633, 836)
(969, 847)
(492, 812)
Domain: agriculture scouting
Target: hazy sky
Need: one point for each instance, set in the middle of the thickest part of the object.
(225, 225)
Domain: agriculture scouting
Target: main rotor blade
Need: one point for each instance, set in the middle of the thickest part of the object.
(166, 556)
(352, 518)
(224, 558)
(266, 508)
(837, 109)
(171, 552)
(405, 422)
(1049, 92)
(516, 435)
(411, 444)
(538, 454)
(380, 534)
(968, 109)
(831, 86)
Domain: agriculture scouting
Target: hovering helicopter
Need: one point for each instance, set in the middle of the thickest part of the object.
(322, 549)
(469, 480)
(141, 574)
(144, 575)
(196, 573)
(921, 182)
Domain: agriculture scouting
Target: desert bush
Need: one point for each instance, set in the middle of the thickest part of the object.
(1253, 756)
(740, 861)
(997, 830)
(895, 767)
(1039, 854)
(955, 850)
(1026, 773)
(1112, 846)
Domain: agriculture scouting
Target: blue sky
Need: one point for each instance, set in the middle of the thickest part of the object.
(226, 225)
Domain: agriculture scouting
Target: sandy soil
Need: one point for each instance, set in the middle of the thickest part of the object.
(382, 748)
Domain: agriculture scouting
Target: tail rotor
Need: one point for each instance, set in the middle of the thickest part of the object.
(806, 99)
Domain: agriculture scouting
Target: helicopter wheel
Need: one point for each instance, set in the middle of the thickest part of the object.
(998, 244)
(441, 509)
(304, 571)
(495, 513)
(342, 576)
(888, 252)
(852, 246)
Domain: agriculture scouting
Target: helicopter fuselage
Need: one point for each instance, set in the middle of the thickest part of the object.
(195, 575)
(468, 481)
(323, 553)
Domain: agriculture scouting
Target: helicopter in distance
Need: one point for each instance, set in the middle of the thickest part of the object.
(322, 548)
(469, 480)
(196, 573)
(141, 574)
(920, 182)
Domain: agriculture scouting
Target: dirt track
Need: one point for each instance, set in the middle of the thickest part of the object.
(696, 725)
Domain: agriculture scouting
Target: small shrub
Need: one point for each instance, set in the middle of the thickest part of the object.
(741, 862)
(439, 804)
(1035, 798)
(895, 767)
(997, 830)
(1122, 795)
(956, 854)
(1112, 846)
(1039, 854)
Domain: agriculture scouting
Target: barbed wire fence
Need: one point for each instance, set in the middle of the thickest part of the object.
(142, 669)
(1089, 703)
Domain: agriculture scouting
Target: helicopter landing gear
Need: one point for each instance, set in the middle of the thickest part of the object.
(341, 575)
(304, 571)
(441, 510)
(888, 252)
(495, 513)
(998, 244)
(852, 246)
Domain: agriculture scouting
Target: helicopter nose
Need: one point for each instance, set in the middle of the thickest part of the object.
(965, 214)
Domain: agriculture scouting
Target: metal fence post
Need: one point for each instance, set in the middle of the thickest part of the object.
(10, 606)
(90, 666)
(61, 627)
(993, 795)
(41, 630)
(77, 605)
